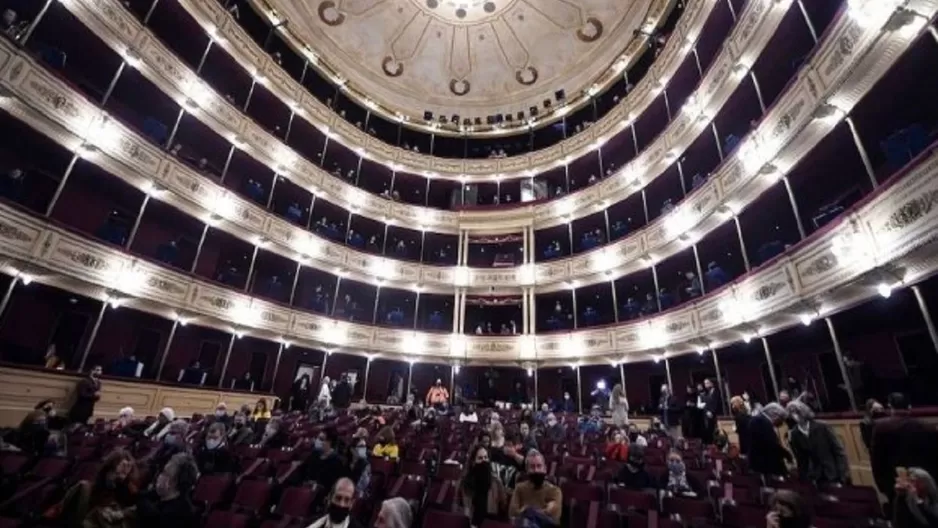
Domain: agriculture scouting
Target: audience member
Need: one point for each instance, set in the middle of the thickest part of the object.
(437, 395)
(325, 391)
(901, 441)
(342, 394)
(633, 475)
(221, 415)
(173, 443)
(617, 446)
(32, 436)
(261, 412)
(170, 503)
(52, 359)
(213, 456)
(324, 466)
(741, 418)
(819, 454)
(677, 481)
(87, 393)
(482, 494)
(916, 504)
(787, 510)
(275, 434)
(299, 394)
(667, 410)
(619, 405)
(766, 454)
(385, 445)
(395, 512)
(105, 502)
(241, 433)
(712, 402)
(160, 427)
(535, 500)
(873, 412)
(359, 465)
(468, 414)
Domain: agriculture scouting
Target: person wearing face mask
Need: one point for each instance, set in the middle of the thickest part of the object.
(241, 433)
(221, 415)
(567, 405)
(535, 501)
(386, 447)
(677, 481)
(541, 415)
(633, 475)
(105, 502)
(124, 423)
(874, 411)
(173, 443)
(555, 431)
(87, 393)
(213, 455)
(356, 455)
(820, 455)
(787, 510)
(593, 423)
(469, 415)
(339, 505)
(712, 402)
(482, 494)
(766, 454)
(324, 466)
(158, 429)
(528, 439)
(170, 503)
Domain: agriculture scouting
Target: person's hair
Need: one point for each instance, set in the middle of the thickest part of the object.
(473, 452)
(898, 401)
(32, 417)
(800, 408)
(401, 512)
(41, 405)
(111, 461)
(532, 454)
(870, 402)
(387, 433)
(332, 436)
(736, 402)
(774, 411)
(262, 401)
(218, 427)
(187, 472)
(792, 500)
(929, 501)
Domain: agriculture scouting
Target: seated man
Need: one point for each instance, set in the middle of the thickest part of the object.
(340, 502)
(536, 502)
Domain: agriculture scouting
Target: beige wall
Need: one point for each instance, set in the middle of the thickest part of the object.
(22, 389)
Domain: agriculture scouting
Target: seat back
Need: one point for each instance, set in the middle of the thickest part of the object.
(442, 519)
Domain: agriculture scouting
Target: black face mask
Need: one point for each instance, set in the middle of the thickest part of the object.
(337, 514)
(878, 414)
(787, 522)
(791, 423)
(537, 479)
(636, 464)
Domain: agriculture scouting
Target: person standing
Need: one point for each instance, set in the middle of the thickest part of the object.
(712, 407)
(766, 454)
(820, 455)
(437, 396)
(620, 406)
(342, 394)
(299, 394)
(666, 409)
(87, 393)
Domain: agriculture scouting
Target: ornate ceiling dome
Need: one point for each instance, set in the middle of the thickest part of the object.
(466, 57)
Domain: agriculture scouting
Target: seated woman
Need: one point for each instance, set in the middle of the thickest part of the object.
(213, 455)
(468, 415)
(275, 434)
(483, 495)
(261, 412)
(677, 481)
(359, 466)
(386, 447)
(617, 446)
(107, 501)
(633, 475)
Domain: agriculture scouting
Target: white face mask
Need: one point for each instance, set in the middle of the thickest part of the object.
(219, 413)
(212, 443)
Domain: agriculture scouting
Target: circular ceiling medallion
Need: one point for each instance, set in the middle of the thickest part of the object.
(464, 11)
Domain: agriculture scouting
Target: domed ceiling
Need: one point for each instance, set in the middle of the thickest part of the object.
(466, 57)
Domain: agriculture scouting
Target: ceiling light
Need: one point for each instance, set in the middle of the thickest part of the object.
(806, 319)
(884, 290)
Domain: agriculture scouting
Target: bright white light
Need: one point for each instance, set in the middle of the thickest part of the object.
(565, 206)
(225, 206)
(457, 346)
(733, 311)
(747, 338)
(244, 314)
(700, 351)
(461, 276)
(105, 134)
(692, 106)
(605, 260)
(656, 359)
(678, 222)
(653, 337)
(751, 155)
(115, 302)
(456, 370)
(197, 93)
(334, 335)
(414, 343)
(382, 268)
(872, 13)
(530, 372)
(913, 27)
(526, 275)
(807, 319)
(601, 384)
(884, 290)
(25, 278)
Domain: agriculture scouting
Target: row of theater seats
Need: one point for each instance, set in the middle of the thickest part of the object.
(264, 493)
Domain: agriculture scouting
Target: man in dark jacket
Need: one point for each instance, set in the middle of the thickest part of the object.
(87, 394)
(766, 454)
(324, 466)
(820, 455)
(901, 441)
(213, 455)
(713, 407)
(342, 394)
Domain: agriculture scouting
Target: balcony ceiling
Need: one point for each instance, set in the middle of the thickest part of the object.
(466, 57)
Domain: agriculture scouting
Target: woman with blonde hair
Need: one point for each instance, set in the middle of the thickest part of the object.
(385, 446)
(261, 412)
(619, 405)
